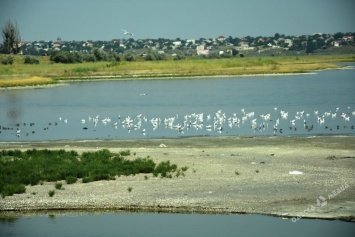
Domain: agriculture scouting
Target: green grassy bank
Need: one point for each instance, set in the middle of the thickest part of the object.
(47, 72)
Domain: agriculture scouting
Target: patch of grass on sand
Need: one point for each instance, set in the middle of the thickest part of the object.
(26, 81)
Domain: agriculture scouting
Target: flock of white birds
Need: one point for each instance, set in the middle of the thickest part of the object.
(219, 120)
(217, 123)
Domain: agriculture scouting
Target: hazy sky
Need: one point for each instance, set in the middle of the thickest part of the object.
(187, 19)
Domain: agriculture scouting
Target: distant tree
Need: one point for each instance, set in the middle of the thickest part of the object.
(100, 55)
(154, 56)
(179, 57)
(338, 35)
(11, 37)
(235, 52)
(129, 57)
(311, 46)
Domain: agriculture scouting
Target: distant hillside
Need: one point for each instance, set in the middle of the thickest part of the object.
(254, 46)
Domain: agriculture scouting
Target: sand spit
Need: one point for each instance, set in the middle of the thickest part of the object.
(225, 175)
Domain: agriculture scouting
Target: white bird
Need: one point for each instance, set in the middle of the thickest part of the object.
(127, 33)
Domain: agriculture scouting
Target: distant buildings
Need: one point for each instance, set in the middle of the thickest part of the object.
(202, 46)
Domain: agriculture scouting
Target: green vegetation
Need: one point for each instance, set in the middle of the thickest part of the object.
(31, 167)
(31, 60)
(47, 72)
(71, 179)
(51, 193)
(12, 38)
(129, 189)
(7, 60)
(58, 185)
(77, 57)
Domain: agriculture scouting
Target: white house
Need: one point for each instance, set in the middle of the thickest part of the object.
(202, 52)
(192, 41)
(200, 47)
(244, 46)
(289, 42)
(177, 43)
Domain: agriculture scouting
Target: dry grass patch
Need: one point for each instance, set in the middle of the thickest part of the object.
(26, 81)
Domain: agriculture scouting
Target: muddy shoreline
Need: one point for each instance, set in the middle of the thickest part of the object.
(226, 175)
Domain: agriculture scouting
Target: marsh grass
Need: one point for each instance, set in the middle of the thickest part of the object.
(18, 73)
(26, 81)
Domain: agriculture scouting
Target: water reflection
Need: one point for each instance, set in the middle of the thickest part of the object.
(14, 107)
(8, 220)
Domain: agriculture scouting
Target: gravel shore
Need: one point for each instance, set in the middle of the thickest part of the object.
(295, 177)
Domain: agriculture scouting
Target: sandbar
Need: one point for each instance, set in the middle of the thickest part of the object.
(291, 177)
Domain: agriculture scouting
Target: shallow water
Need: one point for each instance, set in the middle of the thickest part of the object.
(229, 105)
(153, 224)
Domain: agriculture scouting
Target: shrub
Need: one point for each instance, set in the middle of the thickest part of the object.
(51, 193)
(149, 57)
(71, 179)
(129, 189)
(11, 189)
(31, 60)
(58, 185)
(65, 57)
(89, 57)
(87, 180)
(129, 57)
(143, 166)
(113, 56)
(179, 57)
(32, 179)
(125, 153)
(154, 56)
(8, 60)
(100, 55)
(164, 168)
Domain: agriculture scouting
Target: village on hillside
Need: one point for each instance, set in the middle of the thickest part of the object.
(220, 46)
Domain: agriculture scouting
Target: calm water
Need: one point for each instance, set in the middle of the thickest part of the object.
(150, 224)
(175, 108)
(280, 105)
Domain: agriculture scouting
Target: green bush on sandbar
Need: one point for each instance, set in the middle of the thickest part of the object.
(31, 167)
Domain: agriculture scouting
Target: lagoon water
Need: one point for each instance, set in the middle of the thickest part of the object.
(154, 224)
(170, 108)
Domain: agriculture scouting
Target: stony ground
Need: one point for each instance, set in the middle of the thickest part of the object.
(225, 175)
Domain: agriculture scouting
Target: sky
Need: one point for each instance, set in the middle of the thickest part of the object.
(171, 19)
